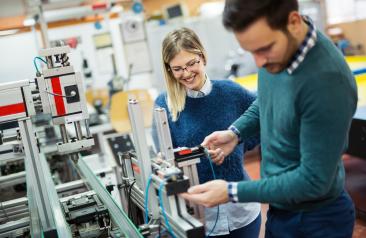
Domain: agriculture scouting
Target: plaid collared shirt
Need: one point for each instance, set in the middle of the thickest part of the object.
(306, 45)
(232, 188)
(299, 56)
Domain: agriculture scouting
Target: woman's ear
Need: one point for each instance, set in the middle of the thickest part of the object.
(204, 60)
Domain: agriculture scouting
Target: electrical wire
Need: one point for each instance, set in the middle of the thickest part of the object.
(73, 94)
(35, 63)
(161, 232)
(129, 200)
(146, 200)
(170, 230)
(214, 177)
(110, 227)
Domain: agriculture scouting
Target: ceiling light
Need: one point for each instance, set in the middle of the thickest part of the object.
(29, 22)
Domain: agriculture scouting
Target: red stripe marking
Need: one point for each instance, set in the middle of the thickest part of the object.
(185, 152)
(59, 101)
(136, 168)
(97, 6)
(12, 109)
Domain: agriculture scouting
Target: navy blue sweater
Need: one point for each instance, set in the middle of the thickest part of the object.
(213, 112)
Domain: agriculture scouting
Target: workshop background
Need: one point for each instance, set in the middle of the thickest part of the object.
(114, 48)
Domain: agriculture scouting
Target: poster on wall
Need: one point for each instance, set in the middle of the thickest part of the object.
(137, 55)
(132, 29)
(135, 44)
(104, 53)
(105, 60)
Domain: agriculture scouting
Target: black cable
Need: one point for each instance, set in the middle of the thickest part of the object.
(159, 228)
(129, 200)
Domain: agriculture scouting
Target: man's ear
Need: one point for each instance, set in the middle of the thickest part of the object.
(294, 23)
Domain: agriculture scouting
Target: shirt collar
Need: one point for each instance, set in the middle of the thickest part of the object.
(205, 90)
(306, 45)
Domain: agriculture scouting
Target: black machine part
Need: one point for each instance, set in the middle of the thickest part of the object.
(85, 209)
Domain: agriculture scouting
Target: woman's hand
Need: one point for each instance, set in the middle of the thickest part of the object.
(220, 144)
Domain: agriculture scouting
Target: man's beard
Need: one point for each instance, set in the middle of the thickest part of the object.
(292, 47)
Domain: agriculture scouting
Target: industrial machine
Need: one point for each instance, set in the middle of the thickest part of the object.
(66, 188)
(54, 98)
(169, 174)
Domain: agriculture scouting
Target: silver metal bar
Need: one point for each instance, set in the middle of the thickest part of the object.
(12, 179)
(44, 29)
(102, 145)
(14, 214)
(117, 171)
(28, 100)
(119, 217)
(10, 138)
(126, 163)
(88, 134)
(41, 187)
(79, 133)
(63, 228)
(184, 213)
(65, 138)
(74, 147)
(64, 187)
(8, 228)
(137, 196)
(9, 146)
(35, 177)
(191, 172)
(11, 211)
(14, 217)
(165, 140)
(10, 157)
(142, 152)
(14, 202)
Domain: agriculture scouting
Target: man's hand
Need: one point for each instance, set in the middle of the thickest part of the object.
(208, 194)
(220, 144)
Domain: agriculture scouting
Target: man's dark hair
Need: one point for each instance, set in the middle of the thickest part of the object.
(239, 14)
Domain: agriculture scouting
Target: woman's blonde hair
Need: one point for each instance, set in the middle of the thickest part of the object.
(177, 40)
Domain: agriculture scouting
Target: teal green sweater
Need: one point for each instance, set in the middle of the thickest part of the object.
(303, 120)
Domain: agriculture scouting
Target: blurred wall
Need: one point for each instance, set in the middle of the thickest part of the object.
(355, 31)
(152, 6)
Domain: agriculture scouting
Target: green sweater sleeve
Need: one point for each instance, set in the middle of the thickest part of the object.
(326, 111)
(248, 123)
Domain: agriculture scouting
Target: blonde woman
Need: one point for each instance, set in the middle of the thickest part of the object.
(197, 106)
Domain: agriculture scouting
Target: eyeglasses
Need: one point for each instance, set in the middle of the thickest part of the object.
(178, 71)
